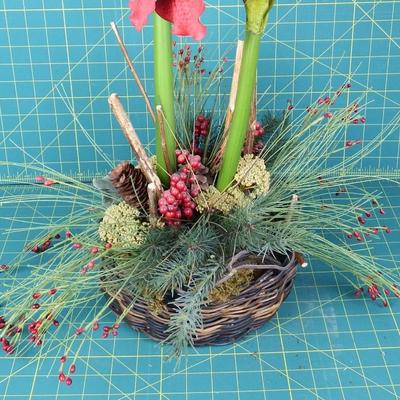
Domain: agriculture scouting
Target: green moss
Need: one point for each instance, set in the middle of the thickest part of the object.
(233, 286)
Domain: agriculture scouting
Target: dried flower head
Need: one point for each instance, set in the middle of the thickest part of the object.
(213, 199)
(122, 226)
(252, 175)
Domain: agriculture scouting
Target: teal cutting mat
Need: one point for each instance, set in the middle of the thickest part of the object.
(59, 62)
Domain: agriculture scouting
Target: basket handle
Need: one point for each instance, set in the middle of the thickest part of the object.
(235, 265)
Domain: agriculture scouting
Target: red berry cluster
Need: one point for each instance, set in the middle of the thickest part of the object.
(201, 131)
(374, 293)
(362, 221)
(61, 376)
(177, 202)
(45, 245)
(7, 347)
(258, 133)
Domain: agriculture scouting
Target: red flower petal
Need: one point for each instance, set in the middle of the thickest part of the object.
(185, 15)
(141, 9)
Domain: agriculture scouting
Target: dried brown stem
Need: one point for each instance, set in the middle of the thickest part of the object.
(152, 193)
(143, 160)
(248, 148)
(231, 106)
(161, 122)
(133, 70)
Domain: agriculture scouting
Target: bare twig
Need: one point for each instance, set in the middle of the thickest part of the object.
(248, 149)
(144, 161)
(152, 193)
(231, 106)
(161, 123)
(133, 70)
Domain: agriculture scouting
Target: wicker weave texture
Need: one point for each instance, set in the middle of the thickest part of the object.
(224, 322)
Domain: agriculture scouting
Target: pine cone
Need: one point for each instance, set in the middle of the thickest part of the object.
(131, 184)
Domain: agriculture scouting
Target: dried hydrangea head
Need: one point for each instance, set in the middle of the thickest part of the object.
(121, 226)
(212, 199)
(252, 175)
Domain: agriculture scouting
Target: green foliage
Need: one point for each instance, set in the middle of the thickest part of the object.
(183, 324)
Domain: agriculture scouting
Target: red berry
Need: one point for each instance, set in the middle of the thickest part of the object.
(72, 368)
(79, 331)
(171, 199)
(188, 212)
(68, 234)
(381, 211)
(91, 264)
(35, 306)
(56, 323)
(162, 202)
(63, 359)
(36, 295)
(61, 377)
(52, 291)
(95, 326)
(49, 182)
(181, 186)
(163, 210)
(108, 245)
(181, 159)
(94, 250)
(358, 292)
(68, 381)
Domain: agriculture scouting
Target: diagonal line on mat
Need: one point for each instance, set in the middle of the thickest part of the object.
(315, 59)
(214, 355)
(28, 114)
(366, 13)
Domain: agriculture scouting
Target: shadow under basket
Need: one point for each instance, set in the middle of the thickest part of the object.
(223, 322)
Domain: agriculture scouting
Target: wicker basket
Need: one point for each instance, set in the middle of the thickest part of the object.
(224, 322)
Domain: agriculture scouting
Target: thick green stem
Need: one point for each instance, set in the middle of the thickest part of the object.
(241, 114)
(164, 91)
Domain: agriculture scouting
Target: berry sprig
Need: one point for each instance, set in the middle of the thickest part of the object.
(200, 133)
(258, 134)
(176, 203)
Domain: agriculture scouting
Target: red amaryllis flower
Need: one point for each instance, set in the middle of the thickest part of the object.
(183, 14)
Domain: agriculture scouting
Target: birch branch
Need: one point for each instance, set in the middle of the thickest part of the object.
(144, 161)
(133, 70)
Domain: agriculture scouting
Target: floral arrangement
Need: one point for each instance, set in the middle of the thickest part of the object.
(221, 189)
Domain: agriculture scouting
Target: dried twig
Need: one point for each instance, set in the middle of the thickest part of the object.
(161, 123)
(144, 161)
(248, 148)
(133, 70)
(231, 106)
(152, 193)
